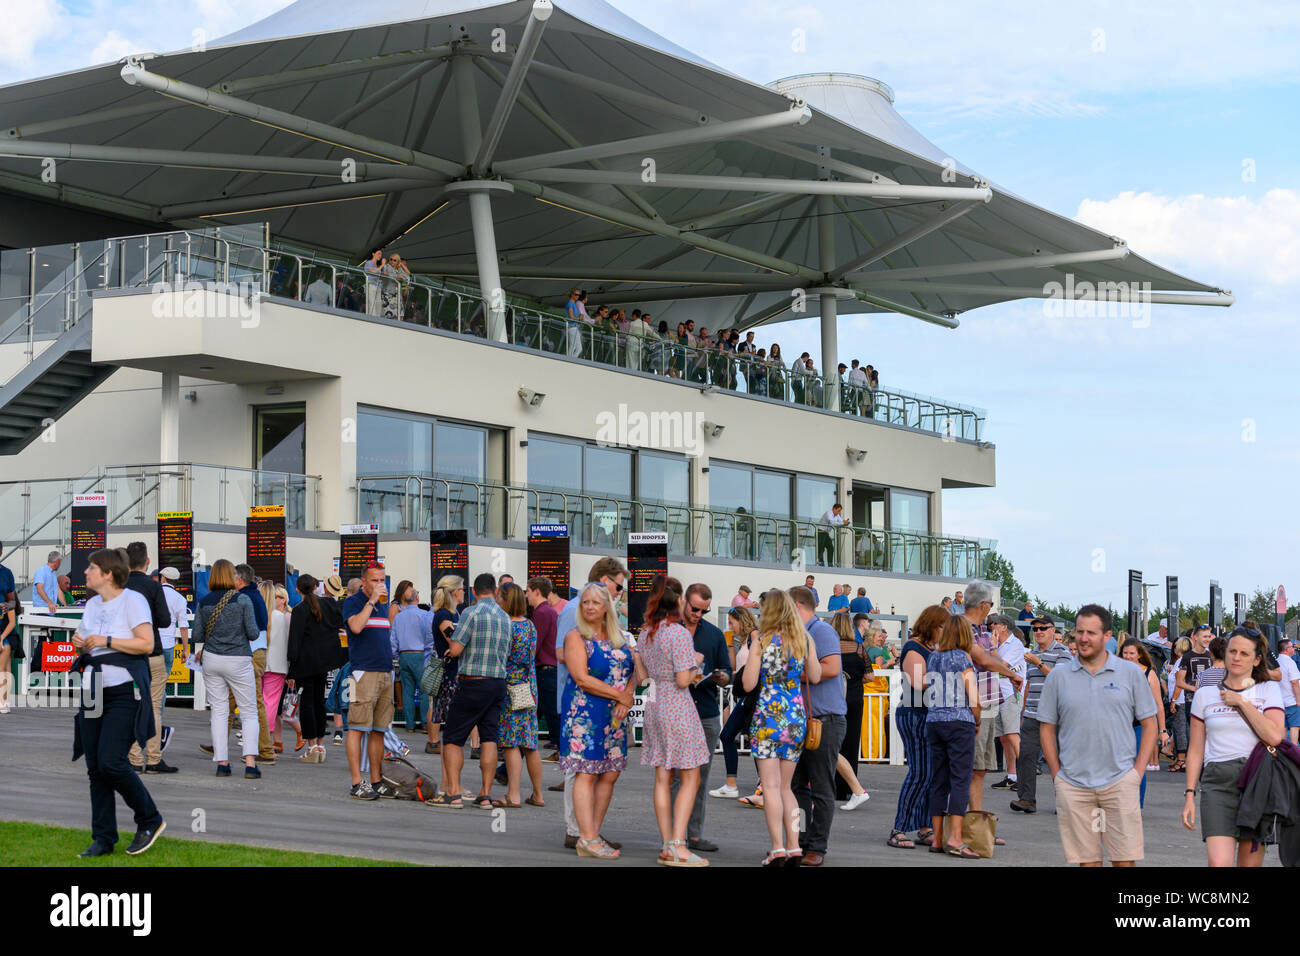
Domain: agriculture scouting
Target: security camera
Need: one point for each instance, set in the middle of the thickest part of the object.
(712, 429)
(856, 454)
(530, 397)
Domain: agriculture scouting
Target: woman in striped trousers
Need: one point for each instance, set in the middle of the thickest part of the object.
(909, 716)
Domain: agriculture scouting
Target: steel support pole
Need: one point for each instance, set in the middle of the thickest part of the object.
(169, 444)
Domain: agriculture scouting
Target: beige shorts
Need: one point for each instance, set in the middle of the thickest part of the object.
(371, 705)
(1091, 820)
(986, 757)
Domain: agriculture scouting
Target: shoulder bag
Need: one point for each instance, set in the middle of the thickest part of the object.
(812, 738)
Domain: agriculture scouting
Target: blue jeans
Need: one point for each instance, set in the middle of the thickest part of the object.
(410, 666)
(334, 703)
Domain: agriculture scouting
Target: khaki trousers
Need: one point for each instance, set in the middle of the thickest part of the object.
(157, 690)
(264, 746)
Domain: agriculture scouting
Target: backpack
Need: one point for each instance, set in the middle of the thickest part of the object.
(410, 783)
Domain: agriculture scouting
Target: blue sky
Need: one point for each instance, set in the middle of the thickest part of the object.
(1171, 448)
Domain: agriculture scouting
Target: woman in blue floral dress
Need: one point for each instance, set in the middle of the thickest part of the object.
(517, 730)
(597, 697)
(781, 659)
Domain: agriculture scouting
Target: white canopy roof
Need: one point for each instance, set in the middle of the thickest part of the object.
(409, 91)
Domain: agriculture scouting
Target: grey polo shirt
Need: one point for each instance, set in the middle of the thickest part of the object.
(1094, 716)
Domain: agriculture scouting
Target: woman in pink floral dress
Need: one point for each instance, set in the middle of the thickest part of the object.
(672, 740)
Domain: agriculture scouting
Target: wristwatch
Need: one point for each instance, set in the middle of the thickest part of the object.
(108, 640)
(1190, 790)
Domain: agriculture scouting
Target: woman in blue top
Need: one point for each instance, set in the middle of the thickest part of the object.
(909, 716)
(952, 715)
(447, 596)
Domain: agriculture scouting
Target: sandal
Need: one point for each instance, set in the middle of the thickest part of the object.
(925, 838)
(484, 803)
(937, 848)
(501, 804)
(899, 841)
(596, 849)
(963, 851)
(446, 801)
(749, 801)
(535, 802)
(793, 859)
(674, 860)
(772, 859)
(998, 841)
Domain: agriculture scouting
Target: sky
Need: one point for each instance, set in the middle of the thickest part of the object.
(1169, 448)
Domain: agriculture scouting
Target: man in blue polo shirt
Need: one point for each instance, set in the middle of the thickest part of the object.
(370, 685)
(814, 774)
(861, 604)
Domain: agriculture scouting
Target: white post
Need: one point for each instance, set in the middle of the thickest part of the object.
(829, 309)
(489, 274)
(169, 444)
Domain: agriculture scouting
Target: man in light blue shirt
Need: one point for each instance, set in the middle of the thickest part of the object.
(412, 628)
(45, 585)
(610, 573)
(814, 774)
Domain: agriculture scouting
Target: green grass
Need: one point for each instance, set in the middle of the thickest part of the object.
(34, 844)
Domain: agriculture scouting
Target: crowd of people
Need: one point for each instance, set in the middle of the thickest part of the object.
(727, 359)
(515, 665)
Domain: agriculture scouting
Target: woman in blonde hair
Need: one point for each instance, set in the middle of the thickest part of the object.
(277, 660)
(597, 697)
(447, 596)
(781, 658)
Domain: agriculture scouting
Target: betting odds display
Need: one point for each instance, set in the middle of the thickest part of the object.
(358, 547)
(449, 554)
(548, 554)
(89, 534)
(647, 555)
(176, 548)
(266, 546)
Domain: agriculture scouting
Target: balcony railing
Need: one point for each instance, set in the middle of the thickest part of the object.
(41, 509)
(413, 504)
(45, 291)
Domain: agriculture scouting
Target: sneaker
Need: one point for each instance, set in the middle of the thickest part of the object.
(98, 848)
(138, 767)
(726, 792)
(261, 759)
(165, 738)
(384, 789)
(856, 800)
(474, 754)
(434, 748)
(161, 767)
(338, 738)
(362, 791)
(1006, 783)
(252, 773)
(1024, 806)
(145, 839)
(223, 770)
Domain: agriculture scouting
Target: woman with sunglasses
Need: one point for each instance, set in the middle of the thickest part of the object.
(1228, 720)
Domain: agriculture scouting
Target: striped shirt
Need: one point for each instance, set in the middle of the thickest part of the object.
(484, 630)
(1035, 676)
(990, 691)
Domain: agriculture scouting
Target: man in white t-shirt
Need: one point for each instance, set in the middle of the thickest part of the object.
(1290, 684)
(1012, 652)
(831, 520)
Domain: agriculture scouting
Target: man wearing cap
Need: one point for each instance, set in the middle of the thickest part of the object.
(1158, 645)
(743, 599)
(1047, 652)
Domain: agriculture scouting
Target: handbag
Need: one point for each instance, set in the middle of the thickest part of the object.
(980, 831)
(521, 696)
(289, 706)
(431, 677)
(812, 737)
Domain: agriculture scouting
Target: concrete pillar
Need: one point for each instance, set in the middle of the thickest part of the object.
(169, 442)
(829, 309)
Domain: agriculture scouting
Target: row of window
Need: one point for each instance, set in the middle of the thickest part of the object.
(396, 443)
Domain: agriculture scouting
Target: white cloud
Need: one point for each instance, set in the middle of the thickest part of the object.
(1257, 239)
(26, 25)
(113, 47)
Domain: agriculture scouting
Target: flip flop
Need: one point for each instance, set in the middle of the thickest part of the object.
(937, 848)
(998, 841)
(963, 851)
(502, 804)
(534, 802)
(749, 802)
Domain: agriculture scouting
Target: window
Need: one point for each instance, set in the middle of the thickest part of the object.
(460, 450)
(731, 488)
(281, 439)
(663, 479)
(815, 495)
(909, 510)
(392, 444)
(554, 464)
